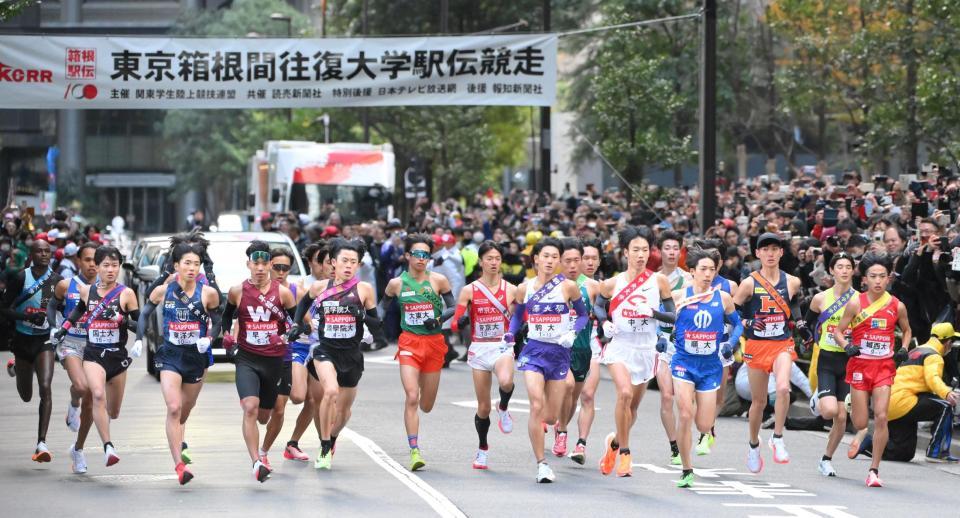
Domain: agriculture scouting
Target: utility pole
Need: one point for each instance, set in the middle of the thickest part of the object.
(364, 112)
(543, 185)
(708, 116)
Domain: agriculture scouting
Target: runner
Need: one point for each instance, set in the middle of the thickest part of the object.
(340, 309)
(769, 347)
(544, 304)
(631, 355)
(702, 311)
(259, 361)
(25, 302)
(826, 310)
(188, 309)
(70, 352)
(103, 308)
(589, 264)
(873, 317)
(422, 295)
(571, 263)
(488, 300)
(669, 245)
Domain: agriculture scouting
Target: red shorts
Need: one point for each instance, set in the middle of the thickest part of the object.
(866, 375)
(760, 354)
(425, 352)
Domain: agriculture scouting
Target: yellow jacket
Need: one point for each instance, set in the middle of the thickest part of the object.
(922, 372)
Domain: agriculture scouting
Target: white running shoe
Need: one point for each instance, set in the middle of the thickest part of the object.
(754, 460)
(544, 473)
(73, 417)
(42, 453)
(826, 468)
(480, 461)
(780, 455)
(110, 456)
(78, 460)
(506, 420)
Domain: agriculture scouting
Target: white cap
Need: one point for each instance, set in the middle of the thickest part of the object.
(70, 250)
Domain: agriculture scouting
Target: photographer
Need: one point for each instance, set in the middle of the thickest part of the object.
(923, 279)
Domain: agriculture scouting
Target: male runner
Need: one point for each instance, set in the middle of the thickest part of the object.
(669, 245)
(422, 296)
(589, 264)
(487, 299)
(873, 317)
(769, 348)
(707, 440)
(264, 310)
(25, 302)
(544, 303)
(825, 311)
(631, 356)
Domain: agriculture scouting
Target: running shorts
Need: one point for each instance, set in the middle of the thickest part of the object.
(550, 360)
(300, 352)
(580, 364)
(867, 375)
(704, 372)
(285, 385)
(258, 376)
(347, 362)
(760, 354)
(640, 361)
(71, 346)
(185, 361)
(832, 375)
(483, 356)
(113, 361)
(425, 352)
(28, 347)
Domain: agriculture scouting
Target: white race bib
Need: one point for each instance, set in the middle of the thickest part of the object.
(103, 333)
(415, 314)
(775, 325)
(258, 333)
(339, 326)
(700, 342)
(183, 333)
(33, 311)
(545, 326)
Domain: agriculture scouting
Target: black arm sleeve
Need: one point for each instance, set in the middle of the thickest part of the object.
(133, 320)
(77, 312)
(53, 306)
(385, 303)
(811, 318)
(600, 308)
(375, 325)
(226, 324)
(795, 307)
(144, 319)
(450, 309)
(303, 307)
(669, 313)
(215, 318)
(10, 295)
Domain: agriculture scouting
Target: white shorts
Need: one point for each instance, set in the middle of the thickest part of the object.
(483, 356)
(71, 346)
(640, 361)
(595, 350)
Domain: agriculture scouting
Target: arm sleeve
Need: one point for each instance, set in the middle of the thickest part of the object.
(133, 320)
(10, 296)
(215, 321)
(303, 307)
(933, 375)
(148, 308)
(375, 325)
(450, 306)
(669, 313)
(519, 315)
(734, 320)
(385, 303)
(77, 313)
(53, 306)
(600, 308)
(226, 323)
(583, 318)
(455, 324)
(795, 310)
(811, 317)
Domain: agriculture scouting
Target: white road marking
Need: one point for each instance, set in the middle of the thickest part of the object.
(472, 404)
(435, 499)
(754, 489)
(801, 511)
(699, 472)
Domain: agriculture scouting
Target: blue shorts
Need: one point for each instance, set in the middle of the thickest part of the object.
(185, 361)
(300, 352)
(551, 360)
(704, 372)
(210, 357)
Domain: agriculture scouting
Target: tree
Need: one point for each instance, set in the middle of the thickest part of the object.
(11, 8)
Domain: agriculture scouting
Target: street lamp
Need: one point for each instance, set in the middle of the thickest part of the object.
(325, 119)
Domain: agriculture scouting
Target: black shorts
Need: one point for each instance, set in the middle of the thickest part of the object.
(28, 347)
(580, 363)
(831, 375)
(113, 361)
(286, 379)
(185, 361)
(347, 362)
(258, 376)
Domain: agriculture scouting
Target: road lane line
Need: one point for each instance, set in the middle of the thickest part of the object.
(435, 499)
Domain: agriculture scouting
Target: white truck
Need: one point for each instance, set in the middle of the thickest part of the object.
(303, 177)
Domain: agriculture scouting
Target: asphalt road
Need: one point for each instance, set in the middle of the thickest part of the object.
(368, 478)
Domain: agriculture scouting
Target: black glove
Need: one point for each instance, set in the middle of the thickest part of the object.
(661, 344)
(463, 322)
(108, 314)
(58, 336)
(295, 331)
(431, 323)
(852, 350)
(901, 355)
(437, 262)
(37, 319)
(756, 324)
(805, 334)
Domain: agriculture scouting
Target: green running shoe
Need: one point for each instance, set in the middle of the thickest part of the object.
(685, 480)
(675, 460)
(323, 461)
(185, 455)
(703, 447)
(416, 461)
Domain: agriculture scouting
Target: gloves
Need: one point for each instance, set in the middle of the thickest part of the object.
(295, 331)
(609, 329)
(804, 332)
(431, 324)
(203, 344)
(137, 349)
(566, 341)
(661, 344)
(509, 339)
(437, 262)
(463, 322)
(229, 342)
(367, 336)
(276, 340)
(756, 324)
(901, 355)
(56, 337)
(852, 350)
(726, 350)
(37, 319)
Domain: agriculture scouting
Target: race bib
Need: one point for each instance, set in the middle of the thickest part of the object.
(339, 325)
(545, 326)
(183, 333)
(34, 311)
(258, 333)
(103, 333)
(775, 326)
(415, 314)
(875, 346)
(635, 323)
(489, 330)
(700, 342)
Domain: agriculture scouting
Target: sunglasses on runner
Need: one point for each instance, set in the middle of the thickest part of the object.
(281, 267)
(420, 254)
(260, 256)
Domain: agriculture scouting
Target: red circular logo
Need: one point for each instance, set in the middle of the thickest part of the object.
(89, 92)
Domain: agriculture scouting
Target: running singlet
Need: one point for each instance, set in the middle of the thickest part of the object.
(634, 316)
(549, 318)
(874, 336)
(261, 316)
(488, 322)
(106, 331)
(700, 326)
(418, 302)
(37, 303)
(181, 324)
(70, 300)
(827, 342)
(583, 337)
(723, 283)
(764, 307)
(341, 326)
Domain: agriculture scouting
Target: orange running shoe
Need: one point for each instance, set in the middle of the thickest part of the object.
(625, 466)
(609, 458)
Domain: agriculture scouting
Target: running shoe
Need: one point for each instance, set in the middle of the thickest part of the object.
(183, 474)
(675, 459)
(754, 460)
(854, 448)
(266, 461)
(560, 444)
(861, 447)
(323, 461)
(943, 458)
(416, 460)
(873, 480)
(506, 421)
(110, 456)
(579, 454)
(293, 452)
(544, 473)
(480, 461)
(826, 468)
(609, 459)
(706, 442)
(780, 455)
(73, 417)
(625, 466)
(42, 454)
(185, 454)
(685, 480)
(11, 368)
(260, 472)
(78, 461)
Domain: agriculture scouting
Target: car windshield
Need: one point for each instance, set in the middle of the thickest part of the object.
(229, 261)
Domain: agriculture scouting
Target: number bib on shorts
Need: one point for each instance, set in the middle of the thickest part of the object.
(102, 332)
